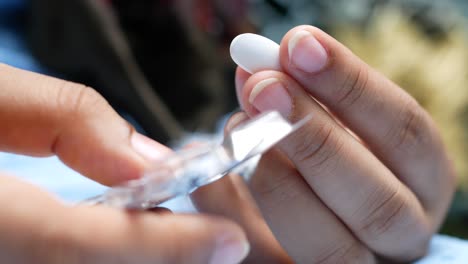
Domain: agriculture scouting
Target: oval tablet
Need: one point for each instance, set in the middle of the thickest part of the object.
(255, 53)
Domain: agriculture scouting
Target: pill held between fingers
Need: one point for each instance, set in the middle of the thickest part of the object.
(255, 53)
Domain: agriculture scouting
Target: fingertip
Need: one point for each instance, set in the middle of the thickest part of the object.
(211, 239)
(305, 49)
(232, 245)
(313, 29)
(149, 149)
(235, 120)
(262, 93)
(230, 251)
(121, 164)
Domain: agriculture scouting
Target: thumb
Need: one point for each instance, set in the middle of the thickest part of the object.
(42, 116)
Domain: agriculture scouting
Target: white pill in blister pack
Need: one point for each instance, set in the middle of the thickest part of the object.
(255, 53)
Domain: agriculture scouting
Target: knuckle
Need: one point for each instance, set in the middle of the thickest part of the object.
(411, 131)
(280, 184)
(391, 216)
(352, 88)
(353, 252)
(316, 151)
(79, 100)
(384, 213)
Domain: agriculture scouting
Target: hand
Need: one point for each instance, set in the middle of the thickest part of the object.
(43, 116)
(367, 177)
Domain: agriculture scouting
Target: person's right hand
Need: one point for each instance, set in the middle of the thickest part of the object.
(366, 178)
(43, 116)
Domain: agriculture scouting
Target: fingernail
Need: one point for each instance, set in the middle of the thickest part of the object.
(306, 53)
(235, 120)
(148, 148)
(270, 94)
(230, 252)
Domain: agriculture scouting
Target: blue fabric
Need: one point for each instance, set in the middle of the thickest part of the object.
(12, 5)
(13, 50)
(446, 250)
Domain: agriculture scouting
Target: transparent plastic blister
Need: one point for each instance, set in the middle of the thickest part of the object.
(184, 171)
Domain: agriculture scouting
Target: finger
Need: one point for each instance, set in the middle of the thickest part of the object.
(307, 229)
(36, 228)
(235, 120)
(388, 119)
(229, 197)
(346, 176)
(280, 195)
(42, 116)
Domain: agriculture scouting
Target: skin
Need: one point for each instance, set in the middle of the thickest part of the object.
(366, 179)
(42, 116)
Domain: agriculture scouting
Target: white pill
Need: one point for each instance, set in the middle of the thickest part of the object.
(255, 53)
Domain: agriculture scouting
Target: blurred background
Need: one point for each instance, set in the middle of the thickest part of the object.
(165, 66)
